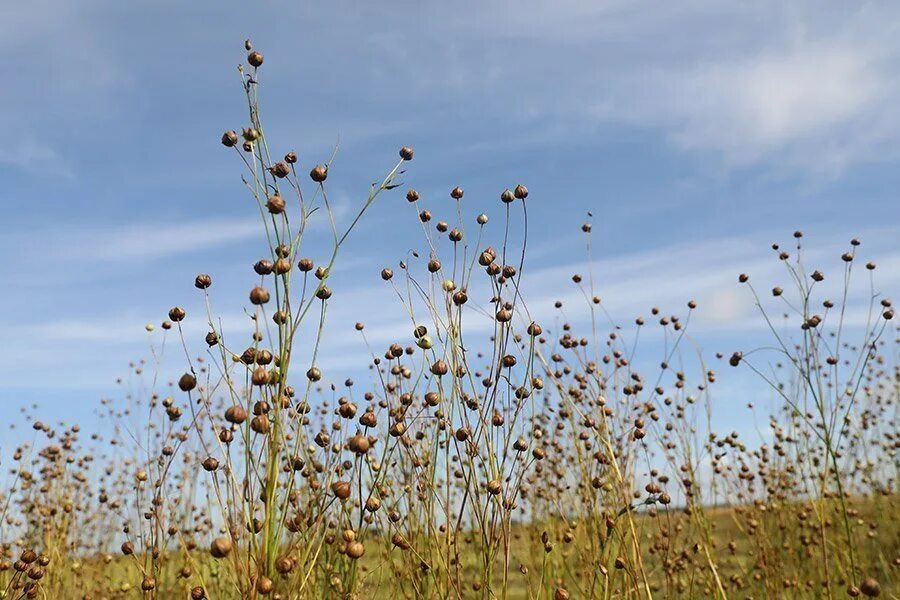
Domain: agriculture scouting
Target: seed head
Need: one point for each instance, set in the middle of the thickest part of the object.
(202, 281)
(275, 205)
(280, 170)
(255, 59)
(220, 547)
(187, 382)
(870, 587)
(341, 489)
(230, 139)
(319, 173)
(355, 549)
(259, 295)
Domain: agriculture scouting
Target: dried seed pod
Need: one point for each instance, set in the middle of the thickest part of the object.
(230, 139)
(280, 170)
(220, 547)
(319, 173)
(202, 281)
(236, 414)
(187, 382)
(275, 204)
(341, 489)
(255, 59)
(359, 444)
(870, 587)
(355, 549)
(264, 267)
(264, 585)
(259, 295)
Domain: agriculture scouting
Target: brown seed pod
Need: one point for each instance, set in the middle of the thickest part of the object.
(220, 547)
(255, 59)
(236, 414)
(198, 593)
(264, 267)
(439, 368)
(412, 196)
(319, 173)
(259, 295)
(387, 274)
(264, 585)
(187, 382)
(202, 281)
(359, 444)
(305, 264)
(456, 193)
(341, 489)
(230, 139)
(870, 587)
(275, 204)
(260, 424)
(284, 564)
(177, 314)
(355, 549)
(406, 153)
(368, 419)
(148, 584)
(210, 464)
(506, 196)
(281, 170)
(521, 192)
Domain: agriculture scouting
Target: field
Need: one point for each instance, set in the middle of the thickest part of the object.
(487, 455)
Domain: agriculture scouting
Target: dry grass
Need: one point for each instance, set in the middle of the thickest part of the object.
(489, 456)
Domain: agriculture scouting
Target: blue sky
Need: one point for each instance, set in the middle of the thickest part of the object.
(697, 133)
